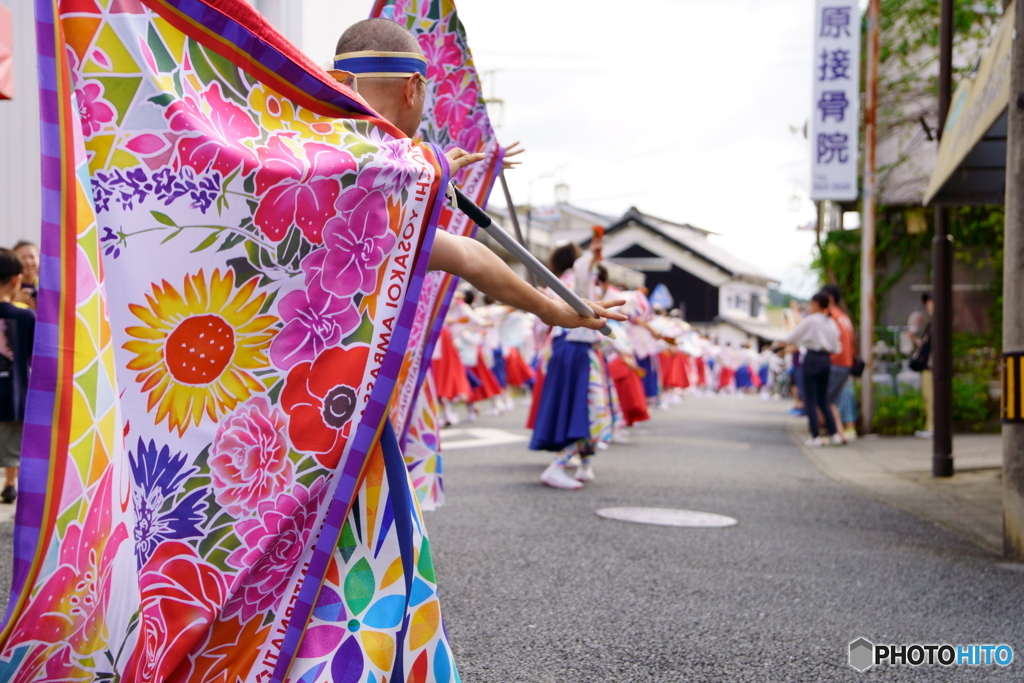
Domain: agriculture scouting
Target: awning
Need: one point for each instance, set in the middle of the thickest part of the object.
(6, 54)
(971, 165)
(755, 328)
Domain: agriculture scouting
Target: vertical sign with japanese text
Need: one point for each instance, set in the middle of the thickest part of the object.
(835, 115)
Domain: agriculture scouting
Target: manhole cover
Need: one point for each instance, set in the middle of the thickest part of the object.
(667, 517)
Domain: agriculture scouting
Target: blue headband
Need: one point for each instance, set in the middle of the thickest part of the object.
(373, 64)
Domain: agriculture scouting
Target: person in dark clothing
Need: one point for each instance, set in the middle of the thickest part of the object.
(819, 335)
(17, 334)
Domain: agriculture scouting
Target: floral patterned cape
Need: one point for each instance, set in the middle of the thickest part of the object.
(455, 116)
(233, 247)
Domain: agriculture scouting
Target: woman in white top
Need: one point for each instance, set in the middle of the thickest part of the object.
(819, 334)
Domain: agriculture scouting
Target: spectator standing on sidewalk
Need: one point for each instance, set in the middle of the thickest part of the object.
(921, 361)
(819, 334)
(28, 252)
(842, 362)
(17, 332)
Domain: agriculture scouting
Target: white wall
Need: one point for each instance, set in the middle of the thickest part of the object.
(284, 15)
(729, 293)
(20, 193)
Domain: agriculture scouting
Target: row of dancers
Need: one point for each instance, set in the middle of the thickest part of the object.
(586, 390)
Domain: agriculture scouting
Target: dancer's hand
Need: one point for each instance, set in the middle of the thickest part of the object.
(564, 315)
(508, 163)
(458, 159)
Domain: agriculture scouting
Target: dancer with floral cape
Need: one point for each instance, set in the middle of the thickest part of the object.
(235, 244)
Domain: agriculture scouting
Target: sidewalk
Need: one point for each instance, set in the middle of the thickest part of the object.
(897, 471)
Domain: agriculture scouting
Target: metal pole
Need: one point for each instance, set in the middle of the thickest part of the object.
(942, 280)
(518, 251)
(867, 244)
(515, 224)
(1013, 299)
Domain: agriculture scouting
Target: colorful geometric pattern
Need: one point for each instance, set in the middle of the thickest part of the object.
(233, 248)
(455, 115)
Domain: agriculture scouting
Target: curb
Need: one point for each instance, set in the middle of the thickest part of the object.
(900, 493)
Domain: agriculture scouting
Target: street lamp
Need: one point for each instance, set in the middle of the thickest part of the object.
(529, 205)
(562, 193)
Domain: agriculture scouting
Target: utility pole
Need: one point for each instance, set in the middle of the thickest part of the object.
(1013, 306)
(867, 237)
(942, 279)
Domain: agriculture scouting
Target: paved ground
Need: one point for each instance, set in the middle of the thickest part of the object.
(898, 471)
(537, 588)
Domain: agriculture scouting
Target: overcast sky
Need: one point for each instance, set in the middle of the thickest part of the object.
(681, 108)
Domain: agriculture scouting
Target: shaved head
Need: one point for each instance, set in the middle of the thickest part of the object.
(399, 100)
(381, 35)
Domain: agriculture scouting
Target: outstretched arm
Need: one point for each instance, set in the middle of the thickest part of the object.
(482, 268)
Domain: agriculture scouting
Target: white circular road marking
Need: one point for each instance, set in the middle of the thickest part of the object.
(667, 517)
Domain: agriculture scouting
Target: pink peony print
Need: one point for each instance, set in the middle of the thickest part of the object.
(359, 239)
(272, 544)
(456, 96)
(93, 111)
(439, 53)
(249, 461)
(314, 319)
(298, 191)
(214, 139)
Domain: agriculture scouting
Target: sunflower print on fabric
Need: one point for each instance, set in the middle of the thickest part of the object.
(196, 349)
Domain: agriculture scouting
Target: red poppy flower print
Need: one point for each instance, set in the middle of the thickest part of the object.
(321, 401)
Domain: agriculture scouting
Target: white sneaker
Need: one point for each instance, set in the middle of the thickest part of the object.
(575, 461)
(585, 472)
(837, 440)
(451, 415)
(472, 415)
(814, 442)
(510, 404)
(556, 477)
(923, 434)
(851, 434)
(601, 445)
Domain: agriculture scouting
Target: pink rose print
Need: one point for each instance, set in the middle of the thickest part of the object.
(93, 111)
(313, 318)
(358, 240)
(439, 54)
(453, 101)
(298, 191)
(220, 134)
(272, 544)
(250, 457)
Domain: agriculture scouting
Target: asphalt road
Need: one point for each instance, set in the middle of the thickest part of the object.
(535, 587)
